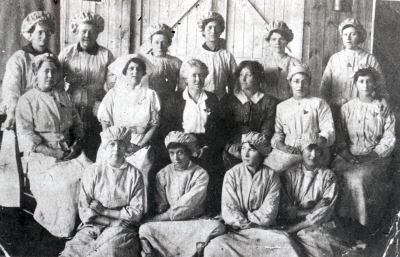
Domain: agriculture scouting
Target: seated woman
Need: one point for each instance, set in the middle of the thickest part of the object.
(197, 111)
(181, 195)
(248, 109)
(250, 201)
(110, 203)
(299, 118)
(309, 196)
(134, 106)
(366, 141)
(50, 132)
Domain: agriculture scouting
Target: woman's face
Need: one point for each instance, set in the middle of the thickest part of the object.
(135, 73)
(351, 38)
(278, 43)
(115, 152)
(47, 76)
(250, 156)
(300, 85)
(179, 158)
(160, 44)
(311, 157)
(212, 31)
(247, 80)
(87, 34)
(365, 85)
(40, 37)
(195, 78)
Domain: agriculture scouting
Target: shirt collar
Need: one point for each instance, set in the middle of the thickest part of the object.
(30, 50)
(244, 99)
(186, 96)
(92, 51)
(310, 173)
(208, 49)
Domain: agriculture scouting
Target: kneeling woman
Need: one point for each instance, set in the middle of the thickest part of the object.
(49, 131)
(110, 203)
(250, 201)
(367, 138)
(310, 193)
(180, 194)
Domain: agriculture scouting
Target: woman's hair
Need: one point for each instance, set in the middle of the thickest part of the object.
(175, 145)
(40, 59)
(42, 23)
(303, 73)
(193, 63)
(139, 62)
(318, 148)
(365, 72)
(255, 68)
(283, 33)
(164, 34)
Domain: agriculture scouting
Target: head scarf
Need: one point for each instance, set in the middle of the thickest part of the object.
(311, 139)
(87, 17)
(211, 16)
(259, 141)
(187, 139)
(300, 68)
(115, 134)
(357, 25)
(34, 18)
(163, 28)
(280, 27)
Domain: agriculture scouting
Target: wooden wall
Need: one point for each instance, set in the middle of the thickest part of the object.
(313, 22)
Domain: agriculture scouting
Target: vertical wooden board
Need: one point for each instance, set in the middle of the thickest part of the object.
(145, 21)
(369, 19)
(307, 31)
(182, 36)
(330, 35)
(258, 41)
(317, 43)
(295, 20)
(239, 29)
(125, 27)
(192, 30)
(64, 24)
(269, 14)
(279, 10)
(248, 35)
(136, 25)
(230, 27)
(360, 14)
(99, 9)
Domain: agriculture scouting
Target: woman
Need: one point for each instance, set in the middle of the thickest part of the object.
(85, 69)
(250, 200)
(365, 144)
(165, 78)
(50, 133)
(337, 86)
(297, 118)
(248, 109)
(309, 197)
(181, 196)
(277, 63)
(197, 111)
(134, 106)
(37, 27)
(110, 203)
(221, 64)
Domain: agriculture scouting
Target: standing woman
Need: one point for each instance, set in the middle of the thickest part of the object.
(85, 69)
(337, 84)
(165, 77)
(221, 64)
(277, 63)
(247, 109)
(367, 138)
(37, 27)
(298, 118)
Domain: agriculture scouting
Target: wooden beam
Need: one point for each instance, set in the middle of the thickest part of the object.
(172, 20)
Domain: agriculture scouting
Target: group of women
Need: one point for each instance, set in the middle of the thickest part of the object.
(201, 157)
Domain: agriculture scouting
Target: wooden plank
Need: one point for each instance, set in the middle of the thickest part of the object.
(193, 31)
(269, 9)
(239, 28)
(306, 53)
(230, 28)
(182, 30)
(279, 14)
(330, 36)
(64, 24)
(136, 24)
(248, 35)
(125, 27)
(178, 13)
(373, 12)
(295, 20)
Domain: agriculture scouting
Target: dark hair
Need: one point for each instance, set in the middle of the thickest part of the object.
(315, 147)
(175, 145)
(162, 33)
(221, 23)
(281, 32)
(255, 68)
(365, 72)
(139, 62)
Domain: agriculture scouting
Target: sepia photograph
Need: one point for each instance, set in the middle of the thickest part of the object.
(199, 128)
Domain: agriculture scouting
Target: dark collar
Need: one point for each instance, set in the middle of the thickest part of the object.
(92, 51)
(208, 49)
(30, 50)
